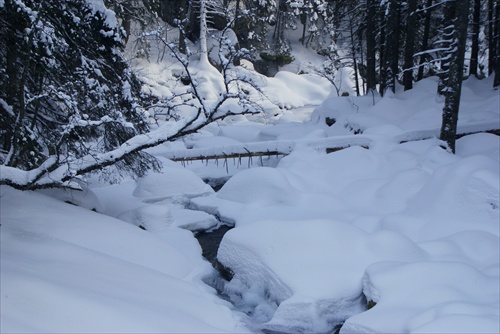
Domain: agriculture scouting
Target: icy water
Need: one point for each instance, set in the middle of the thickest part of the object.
(221, 278)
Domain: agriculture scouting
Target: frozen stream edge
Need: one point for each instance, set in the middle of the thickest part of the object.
(262, 306)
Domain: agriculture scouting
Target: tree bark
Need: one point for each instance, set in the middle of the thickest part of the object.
(203, 32)
(491, 37)
(383, 51)
(354, 58)
(425, 39)
(474, 54)
(460, 9)
(410, 44)
(496, 42)
(370, 45)
(447, 35)
(393, 44)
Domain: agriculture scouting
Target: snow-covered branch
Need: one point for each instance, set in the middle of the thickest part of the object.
(211, 96)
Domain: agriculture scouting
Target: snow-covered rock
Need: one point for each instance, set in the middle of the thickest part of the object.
(172, 182)
(260, 185)
(428, 297)
(312, 270)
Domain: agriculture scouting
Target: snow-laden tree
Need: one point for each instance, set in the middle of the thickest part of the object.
(69, 105)
(66, 91)
(252, 20)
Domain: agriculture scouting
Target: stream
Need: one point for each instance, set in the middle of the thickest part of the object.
(259, 308)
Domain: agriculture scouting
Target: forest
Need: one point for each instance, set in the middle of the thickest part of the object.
(249, 166)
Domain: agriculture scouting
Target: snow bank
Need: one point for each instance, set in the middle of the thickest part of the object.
(479, 144)
(171, 182)
(289, 90)
(312, 269)
(260, 185)
(416, 109)
(158, 218)
(68, 269)
(412, 203)
(428, 297)
(85, 198)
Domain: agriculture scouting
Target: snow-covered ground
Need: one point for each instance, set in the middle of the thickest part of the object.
(399, 238)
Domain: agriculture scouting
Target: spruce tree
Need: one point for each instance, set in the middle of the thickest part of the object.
(66, 91)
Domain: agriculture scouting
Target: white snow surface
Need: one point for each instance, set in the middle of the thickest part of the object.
(66, 269)
(408, 226)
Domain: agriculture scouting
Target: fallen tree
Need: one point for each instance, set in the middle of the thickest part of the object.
(49, 140)
(328, 145)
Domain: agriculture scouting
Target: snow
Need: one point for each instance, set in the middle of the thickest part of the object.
(434, 213)
(171, 182)
(452, 297)
(389, 221)
(73, 270)
(260, 185)
(283, 255)
(412, 203)
(109, 15)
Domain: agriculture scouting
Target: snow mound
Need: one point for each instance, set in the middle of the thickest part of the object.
(304, 268)
(471, 186)
(479, 143)
(86, 198)
(150, 217)
(171, 183)
(446, 291)
(258, 186)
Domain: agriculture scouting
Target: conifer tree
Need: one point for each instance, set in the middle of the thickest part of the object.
(65, 92)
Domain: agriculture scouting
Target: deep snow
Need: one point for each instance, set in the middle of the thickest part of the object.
(408, 227)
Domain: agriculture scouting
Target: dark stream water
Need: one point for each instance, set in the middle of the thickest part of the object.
(209, 242)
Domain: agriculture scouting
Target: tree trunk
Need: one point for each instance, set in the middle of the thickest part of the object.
(303, 21)
(383, 52)
(425, 39)
(236, 12)
(448, 34)
(474, 54)
(410, 44)
(393, 44)
(496, 42)
(491, 37)
(395, 57)
(370, 45)
(460, 9)
(203, 32)
(354, 55)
